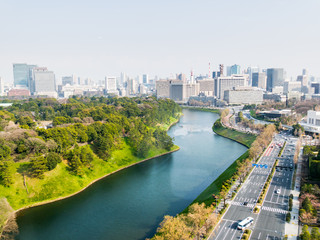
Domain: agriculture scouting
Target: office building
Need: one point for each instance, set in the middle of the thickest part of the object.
(316, 87)
(206, 86)
(67, 80)
(259, 79)
(250, 71)
(289, 86)
(313, 122)
(18, 93)
(163, 88)
(111, 85)
(244, 95)
(145, 79)
(44, 82)
(275, 77)
(234, 69)
(228, 83)
(22, 74)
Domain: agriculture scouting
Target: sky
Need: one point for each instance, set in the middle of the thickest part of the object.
(99, 38)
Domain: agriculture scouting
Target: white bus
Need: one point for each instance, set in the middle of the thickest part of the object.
(245, 223)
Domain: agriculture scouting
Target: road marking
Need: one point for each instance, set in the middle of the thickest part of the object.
(228, 229)
(259, 235)
(221, 230)
(270, 209)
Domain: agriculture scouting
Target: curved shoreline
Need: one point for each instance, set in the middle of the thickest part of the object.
(16, 212)
(91, 183)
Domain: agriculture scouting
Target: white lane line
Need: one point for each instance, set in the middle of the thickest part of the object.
(259, 235)
(221, 229)
(235, 231)
(228, 230)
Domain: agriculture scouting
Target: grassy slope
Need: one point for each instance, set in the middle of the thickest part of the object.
(214, 188)
(60, 183)
(202, 109)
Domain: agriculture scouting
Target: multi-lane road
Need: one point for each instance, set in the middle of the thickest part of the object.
(269, 223)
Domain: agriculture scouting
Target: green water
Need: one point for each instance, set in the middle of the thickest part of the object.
(131, 203)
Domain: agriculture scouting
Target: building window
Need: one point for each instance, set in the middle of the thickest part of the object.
(318, 122)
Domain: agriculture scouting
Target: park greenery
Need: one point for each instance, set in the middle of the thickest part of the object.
(84, 139)
(312, 153)
(309, 199)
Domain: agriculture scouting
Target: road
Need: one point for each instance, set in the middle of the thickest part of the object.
(270, 221)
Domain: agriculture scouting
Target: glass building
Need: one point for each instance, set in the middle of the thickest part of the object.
(22, 74)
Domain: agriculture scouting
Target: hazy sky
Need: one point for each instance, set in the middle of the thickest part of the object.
(100, 37)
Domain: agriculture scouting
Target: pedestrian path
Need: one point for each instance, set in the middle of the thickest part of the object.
(292, 228)
(249, 205)
(278, 210)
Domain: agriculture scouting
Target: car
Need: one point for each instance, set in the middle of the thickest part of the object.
(278, 191)
(245, 203)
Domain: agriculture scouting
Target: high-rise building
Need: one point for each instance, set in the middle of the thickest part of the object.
(163, 88)
(228, 83)
(44, 82)
(259, 79)
(67, 80)
(250, 71)
(206, 87)
(234, 69)
(22, 74)
(289, 86)
(111, 85)
(275, 77)
(145, 79)
(316, 87)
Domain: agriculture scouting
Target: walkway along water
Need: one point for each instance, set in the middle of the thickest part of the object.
(131, 203)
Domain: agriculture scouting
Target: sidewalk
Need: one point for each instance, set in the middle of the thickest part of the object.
(292, 228)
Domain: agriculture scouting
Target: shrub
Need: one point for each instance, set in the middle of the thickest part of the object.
(52, 160)
(288, 217)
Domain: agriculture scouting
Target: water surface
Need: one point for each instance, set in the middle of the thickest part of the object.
(131, 203)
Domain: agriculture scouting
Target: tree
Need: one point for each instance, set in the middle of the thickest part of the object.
(76, 165)
(315, 234)
(305, 235)
(5, 151)
(224, 194)
(38, 166)
(173, 228)
(7, 170)
(52, 160)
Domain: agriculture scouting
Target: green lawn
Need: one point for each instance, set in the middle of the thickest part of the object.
(243, 138)
(203, 109)
(60, 183)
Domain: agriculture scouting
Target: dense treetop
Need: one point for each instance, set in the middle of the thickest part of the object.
(78, 130)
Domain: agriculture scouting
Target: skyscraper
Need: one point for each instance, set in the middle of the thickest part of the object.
(259, 80)
(235, 69)
(22, 74)
(145, 79)
(44, 82)
(227, 83)
(275, 77)
(111, 85)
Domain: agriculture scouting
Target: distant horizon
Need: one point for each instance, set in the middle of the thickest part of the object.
(105, 38)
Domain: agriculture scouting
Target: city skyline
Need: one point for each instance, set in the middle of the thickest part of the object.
(107, 38)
